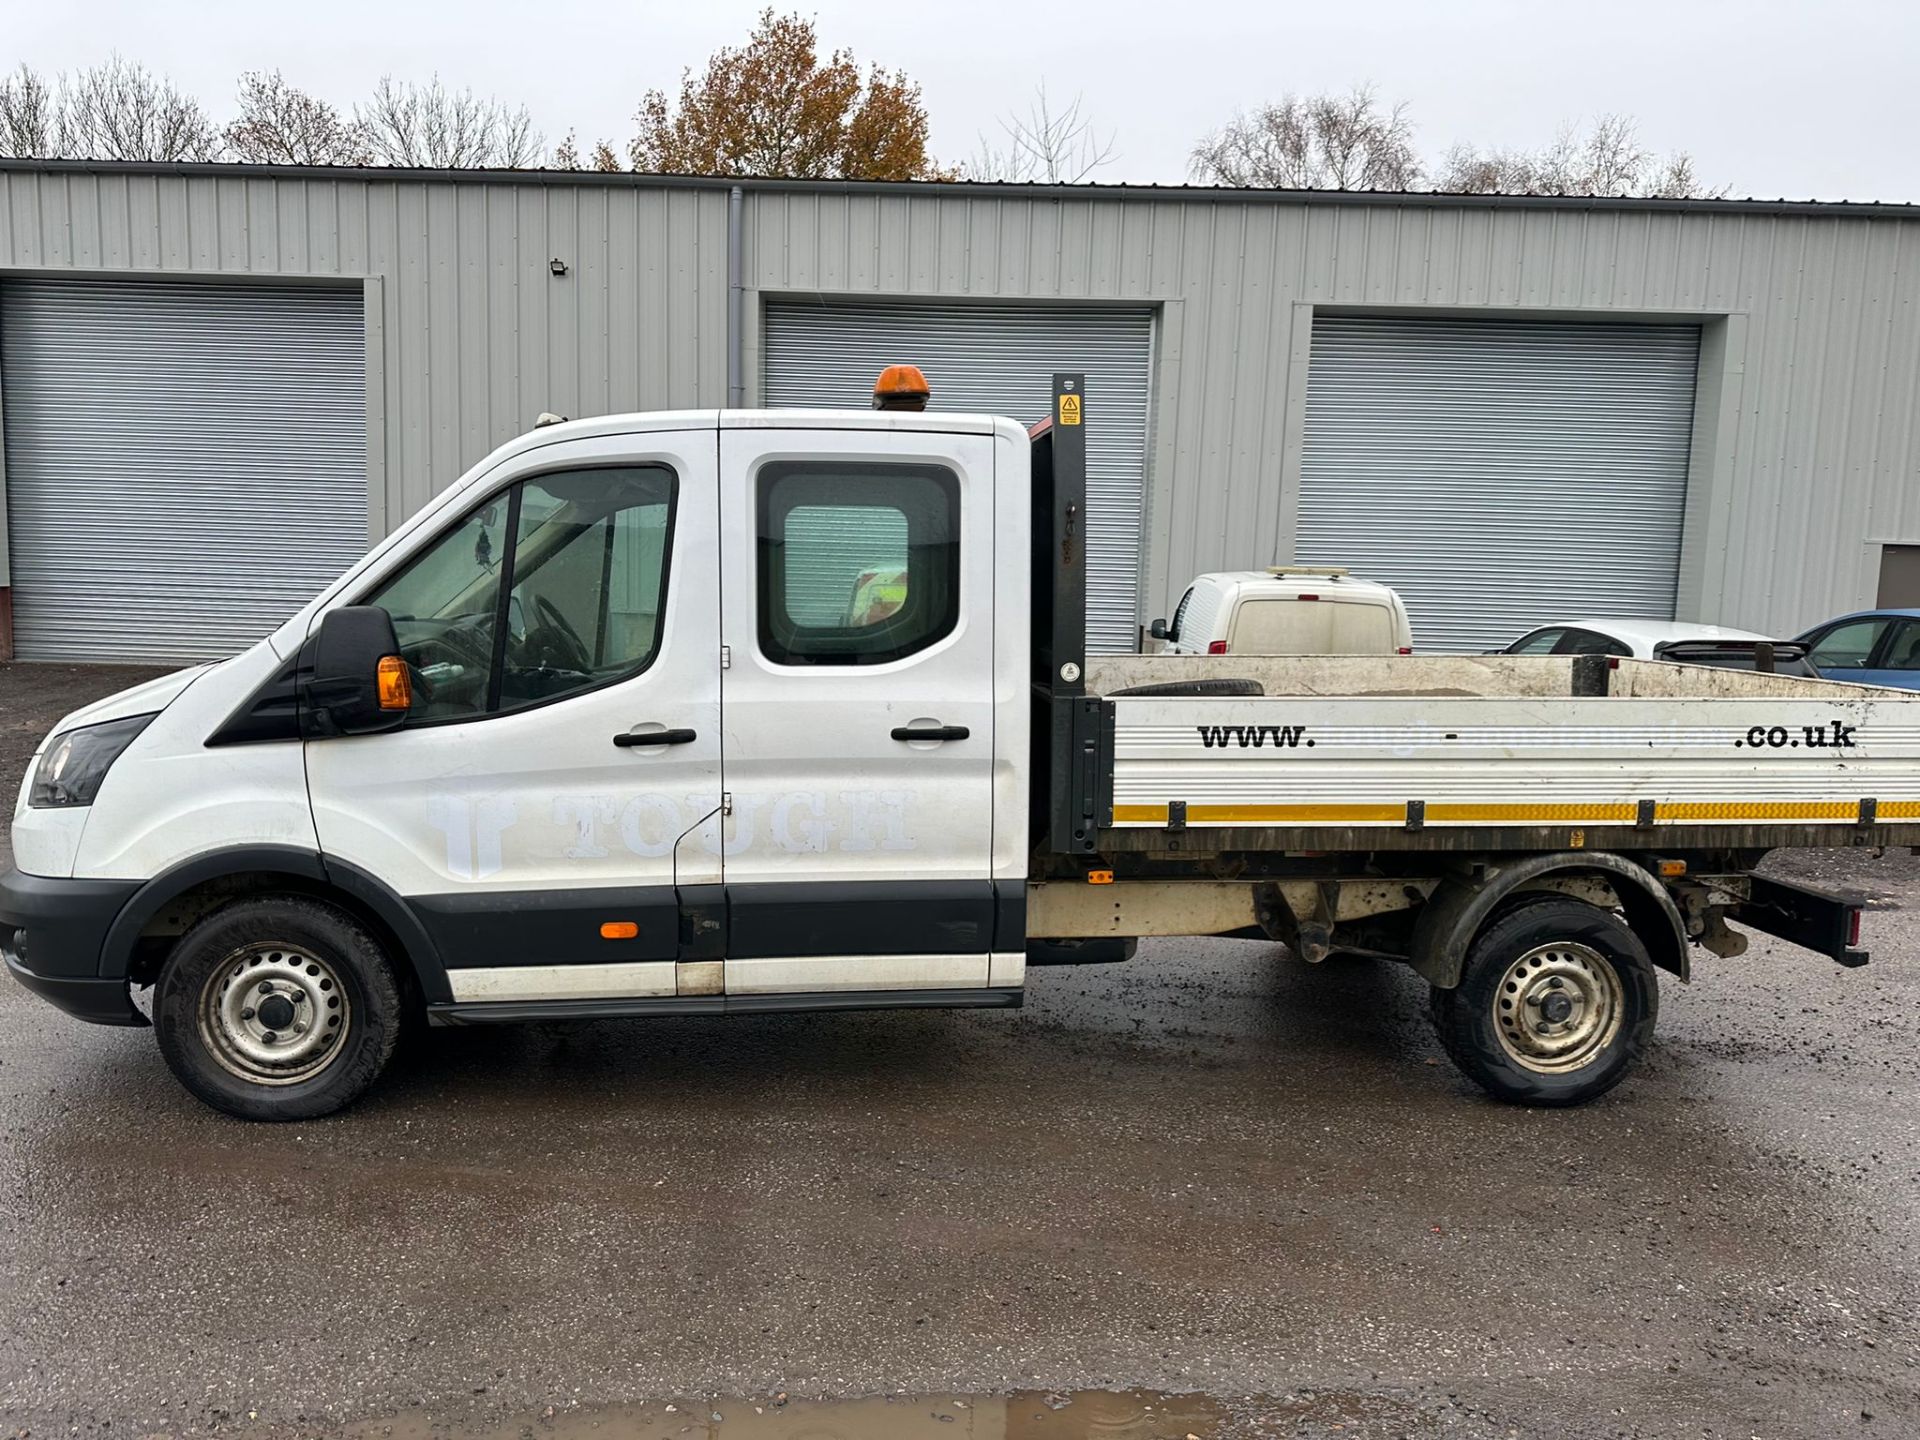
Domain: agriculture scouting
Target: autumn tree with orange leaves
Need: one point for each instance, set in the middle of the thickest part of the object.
(772, 108)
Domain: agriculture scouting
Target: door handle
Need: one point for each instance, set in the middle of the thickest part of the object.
(930, 732)
(655, 737)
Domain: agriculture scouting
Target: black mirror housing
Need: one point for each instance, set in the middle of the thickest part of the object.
(342, 697)
(1158, 630)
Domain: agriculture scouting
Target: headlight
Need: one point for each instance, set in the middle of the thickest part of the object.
(78, 760)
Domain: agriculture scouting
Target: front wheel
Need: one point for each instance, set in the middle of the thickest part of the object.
(1555, 1004)
(280, 1008)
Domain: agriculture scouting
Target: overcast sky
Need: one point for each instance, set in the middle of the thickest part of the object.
(1772, 98)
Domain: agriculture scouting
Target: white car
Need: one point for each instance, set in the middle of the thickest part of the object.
(1678, 640)
(1287, 610)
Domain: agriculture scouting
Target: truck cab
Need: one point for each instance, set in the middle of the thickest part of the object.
(696, 711)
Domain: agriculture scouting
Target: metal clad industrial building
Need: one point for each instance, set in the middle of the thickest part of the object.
(1800, 457)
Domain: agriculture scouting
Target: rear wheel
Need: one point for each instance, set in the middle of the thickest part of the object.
(281, 1008)
(1555, 1004)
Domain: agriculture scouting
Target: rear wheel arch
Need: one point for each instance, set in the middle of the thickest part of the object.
(1463, 906)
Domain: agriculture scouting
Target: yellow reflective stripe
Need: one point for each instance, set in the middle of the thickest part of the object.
(1312, 814)
(1263, 814)
(1593, 814)
(1898, 810)
(1758, 810)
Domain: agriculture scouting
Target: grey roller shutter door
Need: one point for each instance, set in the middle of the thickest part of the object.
(999, 360)
(185, 464)
(1501, 475)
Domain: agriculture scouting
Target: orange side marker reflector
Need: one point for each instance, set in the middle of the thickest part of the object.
(395, 683)
(619, 930)
(1672, 869)
(1099, 877)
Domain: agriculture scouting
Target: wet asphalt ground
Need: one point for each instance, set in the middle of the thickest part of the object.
(1212, 1171)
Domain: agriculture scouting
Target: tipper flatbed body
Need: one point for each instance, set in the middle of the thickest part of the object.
(1517, 752)
(742, 711)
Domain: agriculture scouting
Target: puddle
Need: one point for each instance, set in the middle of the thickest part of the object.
(1080, 1415)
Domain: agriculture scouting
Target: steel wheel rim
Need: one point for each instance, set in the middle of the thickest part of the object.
(1558, 1006)
(274, 1014)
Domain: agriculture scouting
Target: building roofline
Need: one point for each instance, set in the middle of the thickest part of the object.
(1189, 194)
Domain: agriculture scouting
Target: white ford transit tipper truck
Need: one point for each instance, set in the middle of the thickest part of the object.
(726, 711)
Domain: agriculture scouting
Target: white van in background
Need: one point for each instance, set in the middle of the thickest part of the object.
(1287, 610)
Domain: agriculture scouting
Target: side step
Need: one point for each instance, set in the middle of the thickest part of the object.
(498, 1011)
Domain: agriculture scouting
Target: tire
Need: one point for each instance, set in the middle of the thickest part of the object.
(281, 1008)
(1505, 1028)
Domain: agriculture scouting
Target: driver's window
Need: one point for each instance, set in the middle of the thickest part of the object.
(589, 562)
(583, 556)
(444, 607)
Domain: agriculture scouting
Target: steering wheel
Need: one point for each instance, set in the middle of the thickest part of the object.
(558, 626)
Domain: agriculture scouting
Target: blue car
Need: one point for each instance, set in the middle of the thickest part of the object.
(1871, 647)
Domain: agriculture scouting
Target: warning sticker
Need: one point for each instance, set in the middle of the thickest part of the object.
(1069, 409)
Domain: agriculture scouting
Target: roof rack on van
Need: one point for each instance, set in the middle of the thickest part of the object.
(1332, 572)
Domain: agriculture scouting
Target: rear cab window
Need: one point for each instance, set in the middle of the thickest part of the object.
(858, 563)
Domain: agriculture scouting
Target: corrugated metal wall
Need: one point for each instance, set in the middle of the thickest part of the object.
(1499, 474)
(157, 436)
(1812, 325)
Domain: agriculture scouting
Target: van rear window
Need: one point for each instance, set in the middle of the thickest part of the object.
(1312, 627)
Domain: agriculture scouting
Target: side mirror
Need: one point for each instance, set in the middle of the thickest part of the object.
(1158, 630)
(360, 682)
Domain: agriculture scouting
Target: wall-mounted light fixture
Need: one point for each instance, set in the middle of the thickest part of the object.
(557, 266)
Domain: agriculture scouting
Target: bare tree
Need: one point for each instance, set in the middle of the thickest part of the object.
(1313, 142)
(1607, 160)
(1045, 146)
(32, 117)
(121, 111)
(282, 125)
(432, 127)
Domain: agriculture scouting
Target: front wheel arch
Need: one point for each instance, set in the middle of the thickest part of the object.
(151, 923)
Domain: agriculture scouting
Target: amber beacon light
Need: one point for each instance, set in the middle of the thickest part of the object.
(901, 387)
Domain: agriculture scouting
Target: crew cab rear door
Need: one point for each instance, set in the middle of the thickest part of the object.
(857, 609)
